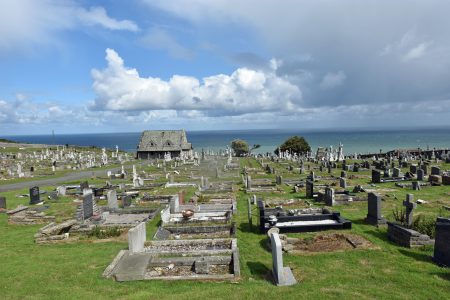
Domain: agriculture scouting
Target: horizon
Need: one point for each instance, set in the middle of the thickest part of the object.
(296, 130)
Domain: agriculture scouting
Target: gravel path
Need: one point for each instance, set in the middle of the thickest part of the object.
(53, 181)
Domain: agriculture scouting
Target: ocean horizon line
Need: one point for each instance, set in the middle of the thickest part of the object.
(296, 130)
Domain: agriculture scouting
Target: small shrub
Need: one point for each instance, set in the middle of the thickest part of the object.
(425, 225)
(105, 233)
(399, 215)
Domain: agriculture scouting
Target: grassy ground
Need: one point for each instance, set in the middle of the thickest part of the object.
(73, 271)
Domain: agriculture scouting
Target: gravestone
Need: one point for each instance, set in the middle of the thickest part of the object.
(84, 185)
(249, 182)
(249, 211)
(329, 168)
(424, 168)
(410, 206)
(413, 169)
(126, 201)
(397, 173)
(53, 195)
(201, 266)
(312, 176)
(376, 176)
(435, 170)
(279, 179)
(61, 190)
(282, 275)
(174, 204)
(420, 174)
(446, 180)
(2, 203)
(136, 238)
(343, 174)
(309, 189)
(442, 242)
(329, 196)
(34, 195)
(112, 199)
(416, 186)
(342, 182)
(87, 207)
(374, 216)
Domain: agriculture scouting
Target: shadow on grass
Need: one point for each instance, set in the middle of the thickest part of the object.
(415, 255)
(259, 270)
(245, 227)
(444, 275)
(264, 243)
(360, 222)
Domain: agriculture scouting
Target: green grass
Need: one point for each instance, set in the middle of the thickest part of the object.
(73, 271)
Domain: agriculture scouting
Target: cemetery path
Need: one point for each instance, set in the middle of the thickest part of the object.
(51, 181)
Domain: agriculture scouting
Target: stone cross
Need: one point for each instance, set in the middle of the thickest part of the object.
(410, 206)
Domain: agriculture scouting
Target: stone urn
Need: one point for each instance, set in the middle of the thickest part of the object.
(187, 214)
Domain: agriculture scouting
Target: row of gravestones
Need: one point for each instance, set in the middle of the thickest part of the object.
(442, 237)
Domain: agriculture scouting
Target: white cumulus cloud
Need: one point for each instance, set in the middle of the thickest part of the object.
(118, 88)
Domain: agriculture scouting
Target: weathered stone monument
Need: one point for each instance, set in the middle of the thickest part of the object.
(343, 182)
(374, 215)
(136, 238)
(126, 201)
(282, 275)
(112, 199)
(410, 206)
(309, 189)
(174, 204)
(34, 195)
(87, 206)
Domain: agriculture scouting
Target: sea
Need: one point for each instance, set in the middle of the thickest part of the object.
(354, 141)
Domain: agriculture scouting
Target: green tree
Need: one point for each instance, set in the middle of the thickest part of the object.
(295, 144)
(240, 147)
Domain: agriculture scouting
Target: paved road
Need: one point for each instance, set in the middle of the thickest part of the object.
(53, 181)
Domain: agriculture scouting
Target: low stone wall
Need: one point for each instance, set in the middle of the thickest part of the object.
(407, 237)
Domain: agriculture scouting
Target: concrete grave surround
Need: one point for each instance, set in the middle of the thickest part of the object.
(282, 275)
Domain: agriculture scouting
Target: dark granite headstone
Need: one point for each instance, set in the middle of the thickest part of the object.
(442, 242)
(420, 174)
(88, 206)
(435, 171)
(3, 202)
(309, 189)
(376, 176)
(374, 216)
(34, 195)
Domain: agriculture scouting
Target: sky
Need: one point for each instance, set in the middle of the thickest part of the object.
(78, 66)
